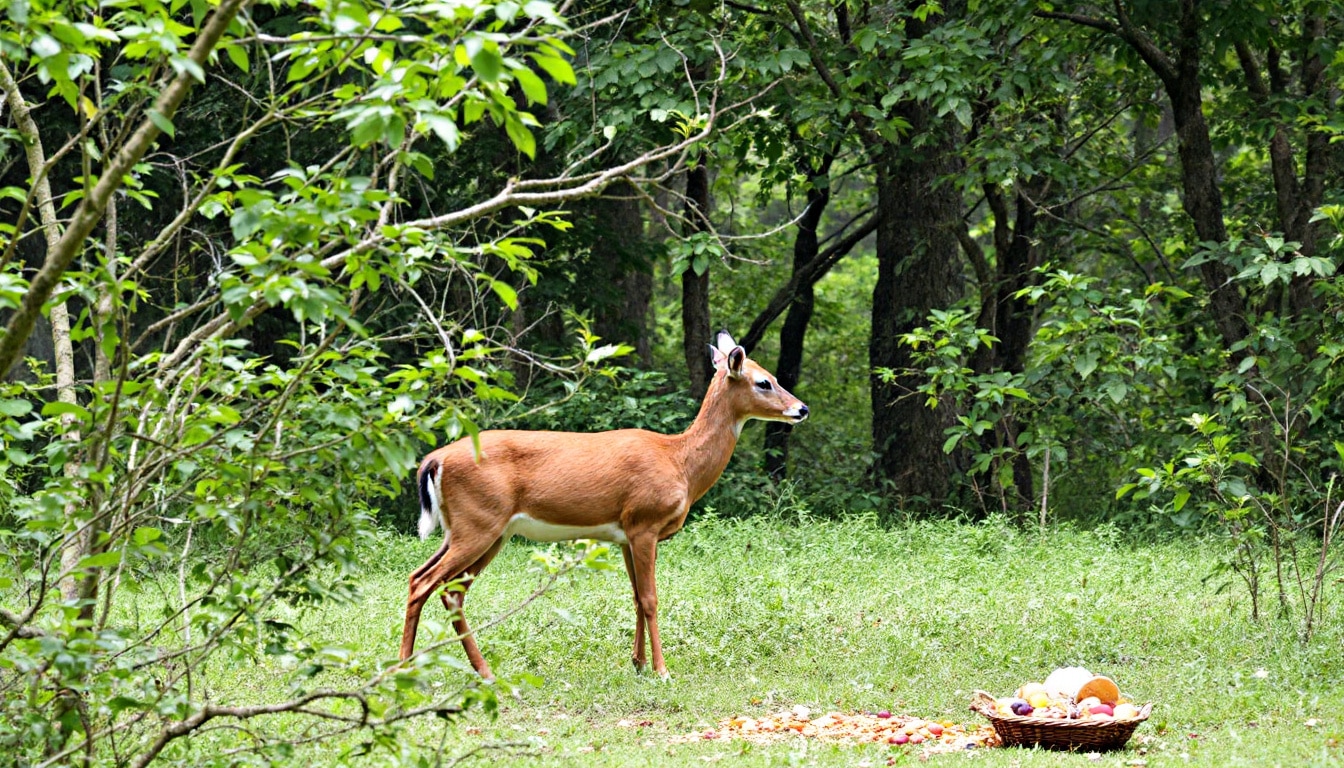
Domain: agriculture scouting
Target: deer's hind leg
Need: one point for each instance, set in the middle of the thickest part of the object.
(468, 552)
(453, 600)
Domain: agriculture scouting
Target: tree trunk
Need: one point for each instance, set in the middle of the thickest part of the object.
(695, 288)
(1201, 196)
(1203, 200)
(77, 546)
(918, 270)
(792, 334)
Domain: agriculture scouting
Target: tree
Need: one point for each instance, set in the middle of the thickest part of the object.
(287, 182)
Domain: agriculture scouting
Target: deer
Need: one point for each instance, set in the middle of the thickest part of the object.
(631, 487)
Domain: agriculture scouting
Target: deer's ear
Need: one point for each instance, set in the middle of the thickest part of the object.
(718, 357)
(724, 341)
(735, 360)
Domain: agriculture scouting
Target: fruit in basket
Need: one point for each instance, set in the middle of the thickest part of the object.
(1098, 699)
(1101, 709)
(1104, 688)
(1031, 689)
(1065, 682)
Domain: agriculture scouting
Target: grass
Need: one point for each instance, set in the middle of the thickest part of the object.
(758, 615)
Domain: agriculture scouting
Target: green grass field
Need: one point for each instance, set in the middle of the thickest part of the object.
(760, 615)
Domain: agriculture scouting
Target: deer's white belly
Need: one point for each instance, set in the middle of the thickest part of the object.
(524, 524)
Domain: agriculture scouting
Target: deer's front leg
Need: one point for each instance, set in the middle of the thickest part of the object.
(644, 552)
(640, 661)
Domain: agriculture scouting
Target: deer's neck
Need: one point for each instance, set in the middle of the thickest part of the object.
(707, 445)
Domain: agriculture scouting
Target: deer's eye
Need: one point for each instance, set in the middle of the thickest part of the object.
(764, 384)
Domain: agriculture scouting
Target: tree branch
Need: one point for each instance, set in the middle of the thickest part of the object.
(91, 208)
(1160, 63)
(804, 32)
(1083, 21)
(565, 189)
(18, 625)
(814, 271)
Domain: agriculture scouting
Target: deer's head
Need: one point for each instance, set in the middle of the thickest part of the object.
(751, 390)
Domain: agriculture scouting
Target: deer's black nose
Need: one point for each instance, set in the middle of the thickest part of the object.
(802, 411)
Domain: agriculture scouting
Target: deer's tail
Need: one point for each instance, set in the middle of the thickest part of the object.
(431, 509)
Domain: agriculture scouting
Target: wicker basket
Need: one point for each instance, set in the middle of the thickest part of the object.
(1017, 731)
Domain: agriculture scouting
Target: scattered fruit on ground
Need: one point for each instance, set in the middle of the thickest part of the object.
(933, 736)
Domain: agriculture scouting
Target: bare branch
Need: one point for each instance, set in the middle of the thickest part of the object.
(510, 196)
(18, 625)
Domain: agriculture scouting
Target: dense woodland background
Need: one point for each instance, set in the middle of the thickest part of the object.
(1069, 261)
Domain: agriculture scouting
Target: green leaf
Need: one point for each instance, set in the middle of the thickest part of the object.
(487, 63)
(605, 351)
(101, 560)
(559, 69)
(1085, 364)
(45, 46)
(1117, 390)
(700, 263)
(15, 407)
(161, 122)
(238, 56)
(505, 292)
(444, 127)
(963, 113)
(1182, 496)
(522, 137)
(58, 408)
(301, 69)
(533, 88)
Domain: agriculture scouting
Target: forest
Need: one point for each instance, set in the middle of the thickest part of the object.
(1043, 268)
